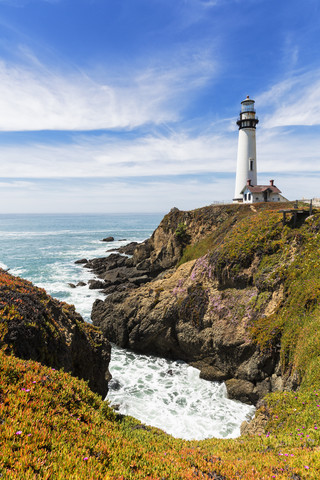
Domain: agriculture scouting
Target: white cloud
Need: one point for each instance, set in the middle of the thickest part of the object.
(16, 184)
(35, 98)
(102, 195)
(155, 155)
(175, 154)
(294, 101)
(112, 196)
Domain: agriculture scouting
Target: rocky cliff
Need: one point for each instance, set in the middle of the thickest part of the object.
(35, 326)
(219, 295)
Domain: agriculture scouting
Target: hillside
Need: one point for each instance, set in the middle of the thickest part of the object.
(230, 281)
(240, 306)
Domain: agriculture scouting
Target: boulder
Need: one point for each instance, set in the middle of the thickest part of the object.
(241, 390)
(128, 249)
(96, 284)
(82, 261)
(108, 239)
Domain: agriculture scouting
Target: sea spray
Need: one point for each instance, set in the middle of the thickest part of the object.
(170, 395)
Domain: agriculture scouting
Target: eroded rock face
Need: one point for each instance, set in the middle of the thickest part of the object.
(35, 326)
(202, 311)
(184, 316)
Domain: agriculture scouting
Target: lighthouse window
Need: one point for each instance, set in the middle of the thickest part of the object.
(248, 107)
(249, 196)
(251, 165)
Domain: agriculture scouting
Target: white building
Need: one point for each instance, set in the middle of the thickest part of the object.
(247, 190)
(261, 193)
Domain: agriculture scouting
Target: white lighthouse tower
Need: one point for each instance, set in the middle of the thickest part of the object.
(247, 156)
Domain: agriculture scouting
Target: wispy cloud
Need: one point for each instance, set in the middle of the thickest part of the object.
(157, 155)
(101, 195)
(294, 101)
(115, 157)
(36, 98)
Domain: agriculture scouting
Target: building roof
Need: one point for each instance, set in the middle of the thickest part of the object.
(261, 188)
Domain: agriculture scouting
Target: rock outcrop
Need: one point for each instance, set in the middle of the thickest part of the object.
(35, 326)
(183, 316)
(137, 264)
(216, 309)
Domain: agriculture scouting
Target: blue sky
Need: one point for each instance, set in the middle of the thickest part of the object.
(130, 105)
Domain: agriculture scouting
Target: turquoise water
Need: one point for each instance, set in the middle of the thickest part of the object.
(159, 392)
(43, 248)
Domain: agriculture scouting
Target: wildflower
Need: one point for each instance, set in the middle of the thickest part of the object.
(85, 458)
(18, 432)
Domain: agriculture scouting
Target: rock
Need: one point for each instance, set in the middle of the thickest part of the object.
(96, 284)
(139, 280)
(173, 316)
(102, 265)
(208, 372)
(81, 284)
(241, 390)
(128, 249)
(53, 333)
(108, 239)
(257, 425)
(262, 389)
(199, 312)
(71, 285)
(276, 383)
(83, 260)
(114, 384)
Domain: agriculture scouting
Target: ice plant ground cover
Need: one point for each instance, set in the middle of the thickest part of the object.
(53, 426)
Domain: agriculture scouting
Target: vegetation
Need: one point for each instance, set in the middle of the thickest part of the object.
(53, 427)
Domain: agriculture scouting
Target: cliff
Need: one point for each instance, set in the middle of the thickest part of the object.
(53, 426)
(232, 292)
(35, 326)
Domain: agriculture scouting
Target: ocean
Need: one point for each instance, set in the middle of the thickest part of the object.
(162, 393)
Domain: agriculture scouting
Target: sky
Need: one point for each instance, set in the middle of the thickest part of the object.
(131, 105)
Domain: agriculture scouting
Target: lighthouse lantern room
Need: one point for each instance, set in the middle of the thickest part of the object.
(247, 156)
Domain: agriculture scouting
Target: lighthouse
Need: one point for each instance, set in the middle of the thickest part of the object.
(247, 157)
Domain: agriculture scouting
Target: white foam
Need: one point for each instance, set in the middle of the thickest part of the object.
(170, 395)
